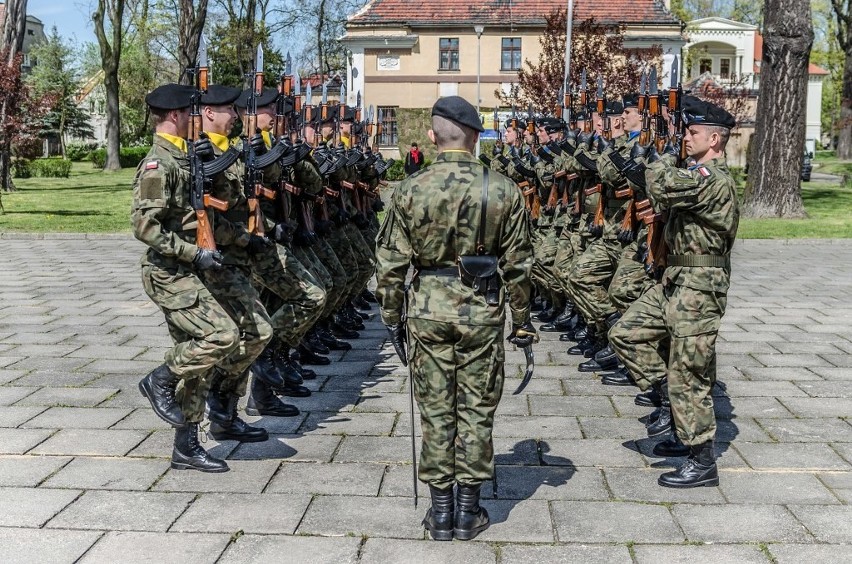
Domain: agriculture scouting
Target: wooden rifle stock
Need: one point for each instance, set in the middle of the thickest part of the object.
(255, 218)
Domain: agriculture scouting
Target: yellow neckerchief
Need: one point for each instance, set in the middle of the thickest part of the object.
(456, 151)
(346, 140)
(178, 142)
(267, 138)
(220, 141)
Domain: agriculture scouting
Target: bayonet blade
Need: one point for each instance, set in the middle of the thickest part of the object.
(600, 93)
(298, 84)
(342, 94)
(583, 84)
(258, 60)
(643, 83)
(202, 52)
(358, 100)
(370, 114)
(652, 81)
(675, 80)
(308, 96)
(324, 98)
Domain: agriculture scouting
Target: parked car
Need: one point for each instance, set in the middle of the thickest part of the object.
(807, 166)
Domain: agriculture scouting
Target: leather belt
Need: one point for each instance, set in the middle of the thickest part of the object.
(436, 271)
(710, 261)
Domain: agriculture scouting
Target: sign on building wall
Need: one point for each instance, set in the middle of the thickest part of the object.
(387, 62)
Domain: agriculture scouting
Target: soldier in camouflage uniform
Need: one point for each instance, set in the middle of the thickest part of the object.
(231, 285)
(455, 337)
(686, 308)
(203, 333)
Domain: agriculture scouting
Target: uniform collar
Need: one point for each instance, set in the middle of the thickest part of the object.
(178, 142)
(221, 141)
(456, 155)
(267, 138)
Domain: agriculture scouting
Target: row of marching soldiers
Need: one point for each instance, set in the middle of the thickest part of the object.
(259, 252)
(634, 214)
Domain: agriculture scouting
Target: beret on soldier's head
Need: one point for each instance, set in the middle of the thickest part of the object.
(614, 108)
(459, 110)
(551, 124)
(170, 97)
(268, 96)
(581, 115)
(521, 124)
(699, 112)
(219, 95)
(630, 100)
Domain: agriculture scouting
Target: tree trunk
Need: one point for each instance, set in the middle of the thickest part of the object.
(320, 22)
(110, 58)
(14, 26)
(844, 133)
(774, 179)
(190, 26)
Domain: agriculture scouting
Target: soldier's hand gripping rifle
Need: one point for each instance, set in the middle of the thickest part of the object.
(251, 182)
(199, 174)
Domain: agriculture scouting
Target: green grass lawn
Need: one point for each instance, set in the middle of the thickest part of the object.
(88, 201)
(93, 201)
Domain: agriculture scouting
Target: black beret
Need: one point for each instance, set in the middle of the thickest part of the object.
(218, 95)
(581, 115)
(630, 100)
(613, 108)
(521, 123)
(170, 97)
(550, 124)
(699, 112)
(268, 96)
(459, 110)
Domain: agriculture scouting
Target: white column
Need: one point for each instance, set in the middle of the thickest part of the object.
(355, 77)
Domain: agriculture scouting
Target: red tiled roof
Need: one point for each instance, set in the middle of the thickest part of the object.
(758, 57)
(502, 12)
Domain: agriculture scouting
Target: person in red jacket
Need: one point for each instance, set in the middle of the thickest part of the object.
(413, 160)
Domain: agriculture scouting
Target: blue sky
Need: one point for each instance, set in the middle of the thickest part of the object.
(71, 17)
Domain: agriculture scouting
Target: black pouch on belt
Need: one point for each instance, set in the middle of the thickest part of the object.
(479, 271)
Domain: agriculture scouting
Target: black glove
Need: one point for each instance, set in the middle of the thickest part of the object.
(603, 144)
(586, 138)
(283, 233)
(324, 227)
(671, 149)
(378, 205)
(303, 237)
(204, 148)
(206, 259)
(257, 143)
(639, 151)
(257, 244)
(523, 335)
(397, 335)
(652, 156)
(360, 220)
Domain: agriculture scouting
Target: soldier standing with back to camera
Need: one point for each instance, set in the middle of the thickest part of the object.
(164, 219)
(455, 333)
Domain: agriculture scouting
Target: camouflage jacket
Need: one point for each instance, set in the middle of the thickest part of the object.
(231, 226)
(612, 180)
(703, 215)
(432, 219)
(161, 212)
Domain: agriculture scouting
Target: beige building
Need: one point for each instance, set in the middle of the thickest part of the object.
(405, 54)
(34, 33)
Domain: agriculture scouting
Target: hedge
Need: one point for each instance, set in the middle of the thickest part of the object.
(53, 167)
(130, 157)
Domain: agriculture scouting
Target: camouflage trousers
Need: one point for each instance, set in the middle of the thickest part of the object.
(568, 247)
(684, 322)
(544, 252)
(203, 333)
(311, 261)
(590, 276)
(458, 381)
(630, 279)
(365, 256)
(298, 297)
(343, 279)
(232, 288)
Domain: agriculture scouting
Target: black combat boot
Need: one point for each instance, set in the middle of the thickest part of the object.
(578, 328)
(236, 429)
(671, 447)
(620, 377)
(353, 312)
(439, 518)
(369, 297)
(285, 364)
(217, 401)
(651, 398)
(189, 455)
(340, 330)
(264, 368)
(263, 401)
(360, 303)
(663, 423)
(307, 356)
(159, 387)
(547, 315)
(584, 343)
(604, 360)
(565, 321)
(470, 518)
(698, 470)
(329, 340)
(313, 341)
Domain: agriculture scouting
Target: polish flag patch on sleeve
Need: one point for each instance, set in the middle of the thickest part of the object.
(152, 165)
(703, 171)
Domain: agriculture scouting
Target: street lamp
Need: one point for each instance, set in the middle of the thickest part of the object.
(478, 29)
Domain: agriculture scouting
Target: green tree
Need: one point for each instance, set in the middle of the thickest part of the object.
(109, 22)
(57, 74)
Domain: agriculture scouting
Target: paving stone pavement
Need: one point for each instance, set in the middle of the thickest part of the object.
(84, 465)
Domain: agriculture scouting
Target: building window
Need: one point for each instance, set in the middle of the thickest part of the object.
(386, 117)
(25, 61)
(705, 65)
(510, 59)
(449, 53)
(725, 68)
(30, 32)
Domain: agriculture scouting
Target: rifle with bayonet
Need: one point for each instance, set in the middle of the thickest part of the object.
(201, 173)
(251, 181)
